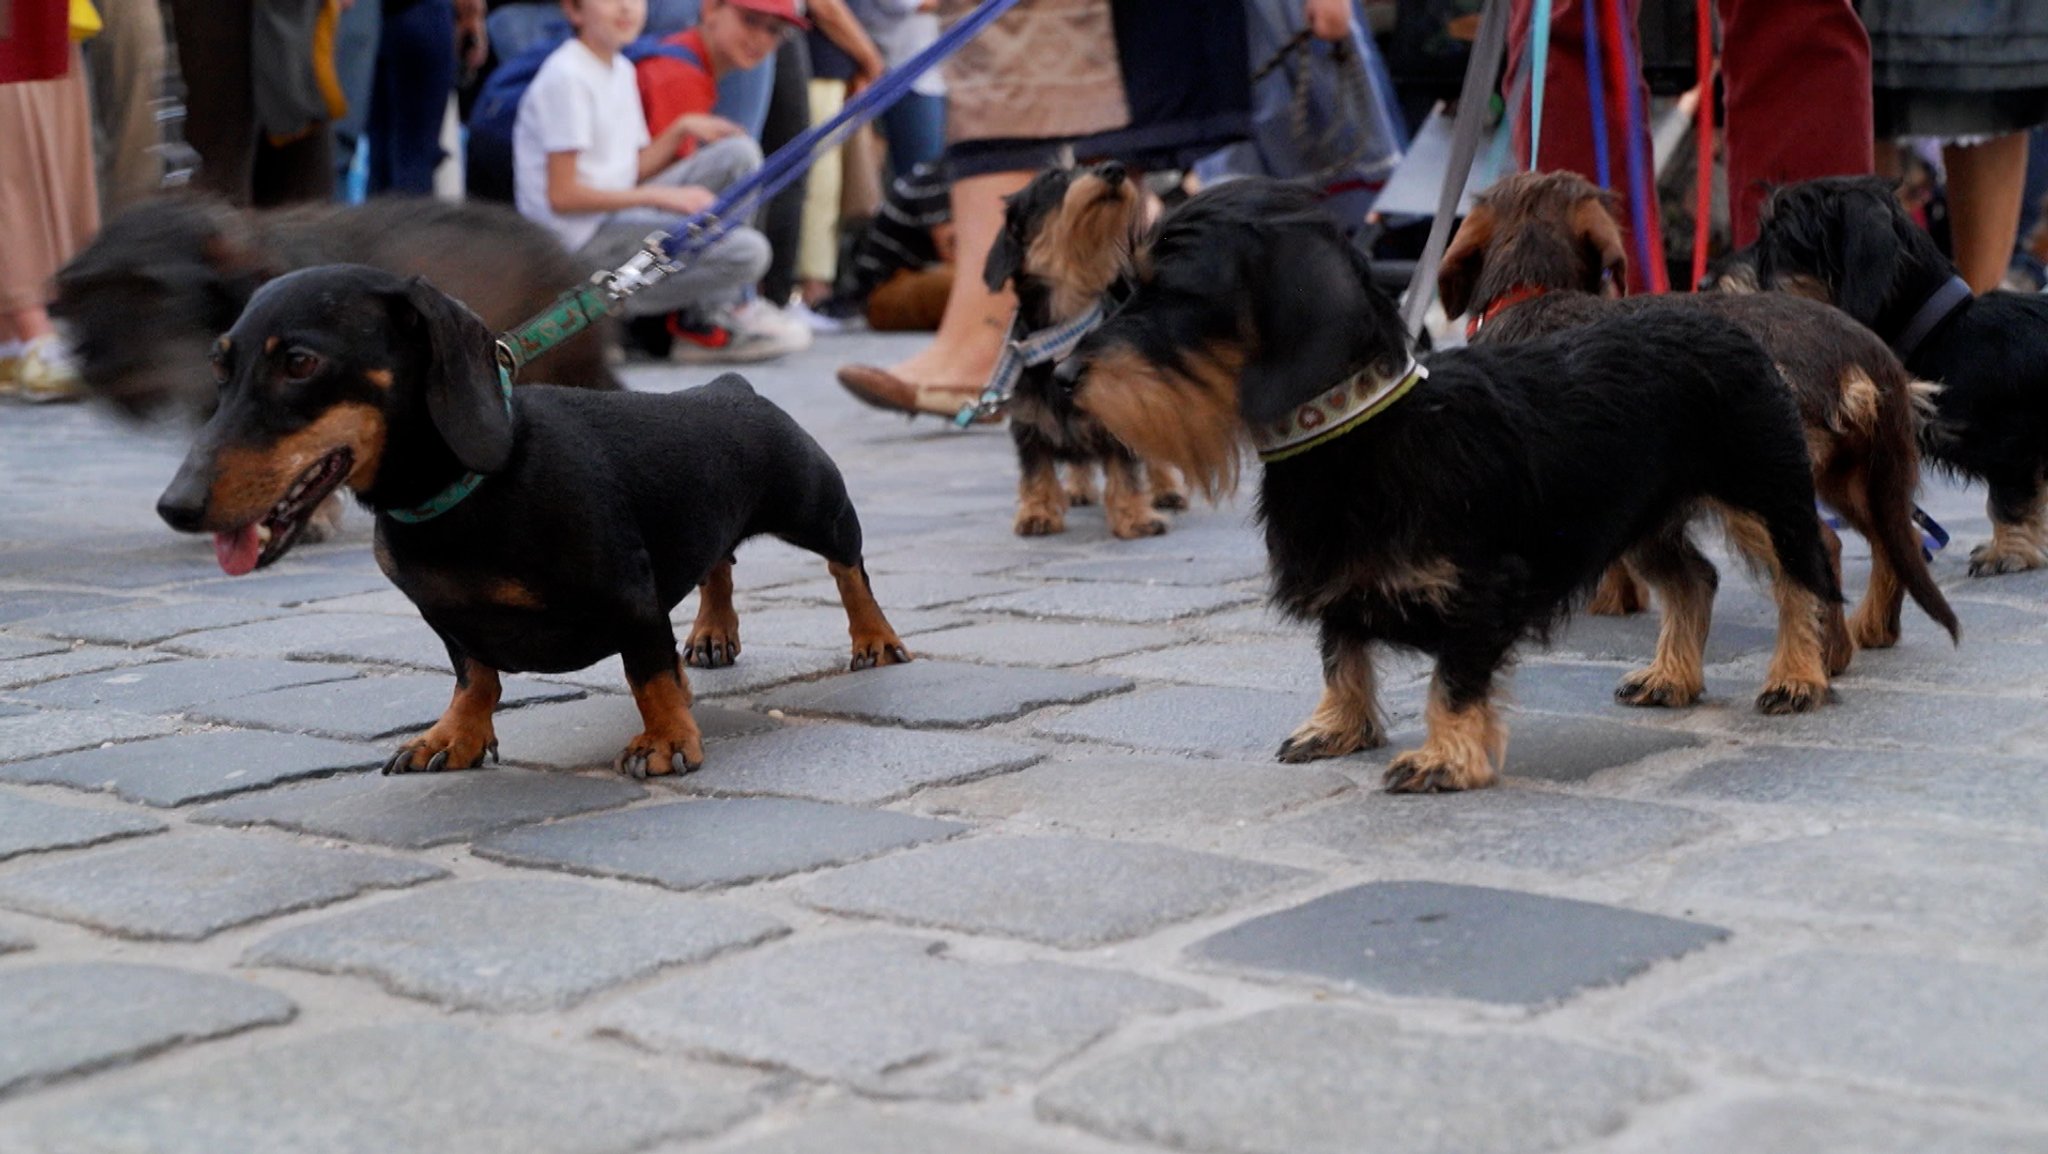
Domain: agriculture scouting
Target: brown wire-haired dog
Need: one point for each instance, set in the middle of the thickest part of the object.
(1065, 244)
(1537, 255)
(1457, 507)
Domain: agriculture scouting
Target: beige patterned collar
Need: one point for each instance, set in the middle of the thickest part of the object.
(1334, 413)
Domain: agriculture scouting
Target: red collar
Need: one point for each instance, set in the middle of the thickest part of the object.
(1507, 300)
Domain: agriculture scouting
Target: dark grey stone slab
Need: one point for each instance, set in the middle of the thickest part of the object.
(759, 666)
(589, 733)
(416, 810)
(1507, 825)
(176, 686)
(1040, 642)
(28, 825)
(195, 766)
(440, 1087)
(1282, 664)
(147, 624)
(290, 588)
(1203, 720)
(714, 841)
(1576, 748)
(941, 693)
(1113, 601)
(1935, 886)
(1204, 572)
(1065, 891)
(69, 662)
(26, 604)
(514, 944)
(817, 628)
(1906, 783)
(9, 943)
(1964, 1028)
(13, 648)
(1430, 940)
(1118, 796)
(888, 1015)
(48, 731)
(57, 1020)
(902, 591)
(1322, 1080)
(851, 763)
(187, 886)
(1802, 1126)
(368, 708)
(875, 1131)
(1588, 690)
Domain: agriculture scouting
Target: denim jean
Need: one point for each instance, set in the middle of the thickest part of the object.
(415, 77)
(916, 131)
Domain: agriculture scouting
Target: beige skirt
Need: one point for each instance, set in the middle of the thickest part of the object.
(1046, 70)
(48, 206)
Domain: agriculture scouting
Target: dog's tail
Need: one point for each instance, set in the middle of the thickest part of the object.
(1891, 480)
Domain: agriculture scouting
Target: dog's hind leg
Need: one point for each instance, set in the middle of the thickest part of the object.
(1685, 582)
(1798, 676)
(1169, 488)
(1080, 484)
(714, 640)
(1041, 502)
(463, 735)
(1347, 719)
(669, 741)
(1126, 501)
(2016, 531)
(1467, 741)
(874, 639)
(1618, 595)
(1837, 646)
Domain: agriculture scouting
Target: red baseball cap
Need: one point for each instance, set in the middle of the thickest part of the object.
(790, 10)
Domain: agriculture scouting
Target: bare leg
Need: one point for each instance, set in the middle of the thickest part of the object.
(1985, 183)
(971, 331)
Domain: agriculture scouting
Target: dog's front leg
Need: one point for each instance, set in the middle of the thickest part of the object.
(2016, 531)
(714, 639)
(670, 741)
(1126, 501)
(1347, 719)
(1466, 741)
(463, 735)
(1041, 502)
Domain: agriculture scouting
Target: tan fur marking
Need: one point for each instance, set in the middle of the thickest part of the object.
(1463, 750)
(512, 594)
(1127, 503)
(1798, 677)
(874, 639)
(664, 702)
(269, 345)
(1347, 719)
(464, 731)
(1041, 503)
(249, 482)
(1618, 595)
(1676, 676)
(379, 377)
(1188, 423)
(1086, 245)
(1861, 401)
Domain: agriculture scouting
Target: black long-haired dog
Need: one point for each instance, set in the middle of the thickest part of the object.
(1462, 508)
(1846, 240)
(1066, 243)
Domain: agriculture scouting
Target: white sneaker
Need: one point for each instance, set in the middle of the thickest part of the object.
(758, 313)
(742, 335)
(817, 322)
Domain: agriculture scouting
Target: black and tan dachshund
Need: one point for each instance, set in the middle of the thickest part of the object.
(1846, 240)
(1459, 506)
(537, 529)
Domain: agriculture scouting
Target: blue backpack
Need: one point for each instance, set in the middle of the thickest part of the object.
(496, 110)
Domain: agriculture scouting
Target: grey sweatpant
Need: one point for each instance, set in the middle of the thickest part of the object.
(713, 280)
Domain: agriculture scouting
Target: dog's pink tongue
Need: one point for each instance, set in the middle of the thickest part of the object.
(238, 550)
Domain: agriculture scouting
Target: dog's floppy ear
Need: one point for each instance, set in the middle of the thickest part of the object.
(1317, 320)
(1464, 260)
(1005, 257)
(463, 397)
(1596, 230)
(1868, 250)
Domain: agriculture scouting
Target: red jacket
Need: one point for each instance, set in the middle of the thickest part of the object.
(671, 88)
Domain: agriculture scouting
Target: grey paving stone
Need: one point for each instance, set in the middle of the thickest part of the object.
(389, 602)
(1065, 891)
(875, 1130)
(67, 662)
(759, 666)
(289, 588)
(367, 708)
(941, 693)
(1988, 663)
(1117, 796)
(190, 885)
(1802, 1126)
(1282, 664)
(816, 628)
(12, 648)
(1258, 618)
(440, 1087)
(589, 732)
(1576, 748)
(1202, 720)
(1205, 572)
(65, 1019)
(1321, 1080)
(1936, 886)
(1865, 715)
(1430, 940)
(714, 841)
(193, 767)
(888, 1015)
(1975, 1030)
(413, 811)
(1891, 782)
(323, 636)
(1992, 619)
(1040, 643)
(147, 624)
(1114, 601)
(1507, 825)
(26, 604)
(903, 591)
(48, 731)
(28, 825)
(177, 686)
(1635, 638)
(1588, 690)
(9, 943)
(514, 944)
(851, 763)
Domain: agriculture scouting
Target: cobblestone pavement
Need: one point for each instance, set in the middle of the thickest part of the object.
(1043, 890)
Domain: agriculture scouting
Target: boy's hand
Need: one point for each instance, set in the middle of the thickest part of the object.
(706, 127)
(1328, 19)
(683, 200)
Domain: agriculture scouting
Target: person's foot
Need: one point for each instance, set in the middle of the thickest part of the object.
(883, 389)
(743, 335)
(46, 373)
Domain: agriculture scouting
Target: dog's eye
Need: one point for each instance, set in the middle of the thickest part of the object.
(299, 365)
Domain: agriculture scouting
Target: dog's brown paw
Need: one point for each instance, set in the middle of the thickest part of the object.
(1872, 634)
(1651, 688)
(1080, 488)
(881, 649)
(1618, 595)
(1039, 523)
(1792, 697)
(1171, 500)
(434, 751)
(1310, 743)
(1148, 525)
(711, 648)
(1992, 559)
(656, 755)
(1420, 771)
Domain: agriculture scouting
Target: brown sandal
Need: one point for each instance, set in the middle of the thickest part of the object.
(885, 390)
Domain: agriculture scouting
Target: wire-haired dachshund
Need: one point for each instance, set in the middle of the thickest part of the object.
(1459, 506)
(1065, 245)
(1846, 240)
(1537, 255)
(537, 529)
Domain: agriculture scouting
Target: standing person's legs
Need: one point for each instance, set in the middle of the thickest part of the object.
(127, 61)
(1796, 74)
(789, 114)
(415, 75)
(916, 128)
(1985, 182)
(817, 258)
(355, 68)
(220, 116)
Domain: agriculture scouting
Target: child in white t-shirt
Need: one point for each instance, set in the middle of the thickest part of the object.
(585, 166)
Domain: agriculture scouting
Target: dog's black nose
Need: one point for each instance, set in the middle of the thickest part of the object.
(1112, 173)
(183, 505)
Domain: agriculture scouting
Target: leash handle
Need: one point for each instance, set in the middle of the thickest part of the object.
(571, 313)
